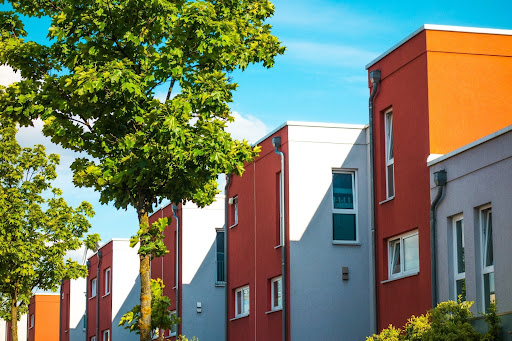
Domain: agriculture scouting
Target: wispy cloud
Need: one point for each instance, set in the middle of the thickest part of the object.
(8, 76)
(247, 127)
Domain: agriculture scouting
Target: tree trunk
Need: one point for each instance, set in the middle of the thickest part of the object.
(145, 288)
(14, 320)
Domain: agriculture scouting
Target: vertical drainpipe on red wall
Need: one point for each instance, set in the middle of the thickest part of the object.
(375, 78)
(276, 142)
(175, 214)
(98, 297)
(226, 202)
(60, 310)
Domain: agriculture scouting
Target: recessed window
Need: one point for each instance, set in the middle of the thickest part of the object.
(107, 281)
(487, 256)
(31, 321)
(93, 287)
(459, 264)
(174, 326)
(403, 255)
(344, 207)
(234, 210)
(242, 301)
(390, 160)
(219, 245)
(276, 285)
(106, 335)
(93, 338)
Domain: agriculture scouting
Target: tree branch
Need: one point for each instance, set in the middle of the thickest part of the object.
(170, 90)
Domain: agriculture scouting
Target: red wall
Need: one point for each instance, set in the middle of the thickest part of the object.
(165, 267)
(105, 301)
(253, 258)
(65, 290)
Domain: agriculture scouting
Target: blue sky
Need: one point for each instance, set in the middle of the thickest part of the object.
(320, 78)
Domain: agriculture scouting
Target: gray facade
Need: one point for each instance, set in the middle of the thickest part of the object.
(479, 186)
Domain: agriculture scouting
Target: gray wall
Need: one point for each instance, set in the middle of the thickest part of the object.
(477, 176)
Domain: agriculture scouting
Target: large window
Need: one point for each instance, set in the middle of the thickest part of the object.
(459, 266)
(219, 245)
(390, 160)
(174, 326)
(107, 281)
(276, 285)
(93, 287)
(344, 201)
(487, 256)
(403, 255)
(242, 301)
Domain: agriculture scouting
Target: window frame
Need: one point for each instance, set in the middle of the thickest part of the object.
(219, 282)
(235, 211)
(106, 332)
(108, 282)
(94, 287)
(484, 213)
(390, 161)
(458, 276)
(174, 326)
(393, 241)
(32, 321)
(93, 338)
(348, 211)
(242, 313)
(279, 306)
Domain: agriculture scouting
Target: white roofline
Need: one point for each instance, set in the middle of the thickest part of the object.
(470, 145)
(440, 28)
(310, 124)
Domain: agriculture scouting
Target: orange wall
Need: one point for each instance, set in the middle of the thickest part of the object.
(46, 312)
(469, 85)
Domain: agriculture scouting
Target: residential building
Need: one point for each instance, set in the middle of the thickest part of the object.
(43, 318)
(324, 291)
(72, 310)
(473, 231)
(113, 289)
(438, 89)
(5, 329)
(198, 293)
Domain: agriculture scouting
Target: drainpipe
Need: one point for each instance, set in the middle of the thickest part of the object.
(276, 142)
(98, 297)
(60, 310)
(175, 214)
(87, 299)
(375, 78)
(226, 202)
(440, 181)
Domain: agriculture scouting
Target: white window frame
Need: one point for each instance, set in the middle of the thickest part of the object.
(94, 287)
(389, 145)
(106, 335)
(93, 338)
(485, 212)
(353, 210)
(235, 211)
(32, 321)
(108, 281)
(391, 243)
(273, 293)
(174, 326)
(217, 279)
(242, 311)
(456, 275)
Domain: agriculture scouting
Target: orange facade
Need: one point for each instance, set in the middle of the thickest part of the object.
(43, 318)
(445, 88)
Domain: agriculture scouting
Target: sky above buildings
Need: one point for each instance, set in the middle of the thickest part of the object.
(320, 78)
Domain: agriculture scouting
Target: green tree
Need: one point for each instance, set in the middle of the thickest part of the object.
(35, 231)
(94, 86)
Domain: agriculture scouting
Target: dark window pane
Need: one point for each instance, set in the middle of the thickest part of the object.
(461, 290)
(343, 196)
(344, 227)
(461, 267)
(489, 257)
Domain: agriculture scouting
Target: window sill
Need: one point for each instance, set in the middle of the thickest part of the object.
(171, 335)
(397, 278)
(234, 225)
(278, 246)
(105, 295)
(92, 297)
(388, 199)
(239, 317)
(348, 243)
(220, 284)
(274, 310)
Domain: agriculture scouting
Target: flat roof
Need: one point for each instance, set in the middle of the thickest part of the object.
(440, 28)
(470, 145)
(311, 124)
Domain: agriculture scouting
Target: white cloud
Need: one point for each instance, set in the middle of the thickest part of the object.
(78, 255)
(8, 76)
(246, 127)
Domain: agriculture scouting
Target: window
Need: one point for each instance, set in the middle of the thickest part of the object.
(487, 256)
(93, 287)
(276, 285)
(234, 210)
(106, 335)
(31, 321)
(93, 338)
(344, 216)
(155, 333)
(279, 242)
(458, 259)
(174, 326)
(219, 245)
(390, 161)
(107, 281)
(242, 301)
(403, 255)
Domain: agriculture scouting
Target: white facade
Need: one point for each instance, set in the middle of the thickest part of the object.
(22, 329)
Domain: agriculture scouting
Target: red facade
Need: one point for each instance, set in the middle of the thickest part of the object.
(65, 310)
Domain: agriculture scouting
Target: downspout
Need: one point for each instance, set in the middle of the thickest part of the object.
(375, 78)
(226, 202)
(175, 214)
(98, 297)
(276, 142)
(440, 181)
(60, 310)
(87, 299)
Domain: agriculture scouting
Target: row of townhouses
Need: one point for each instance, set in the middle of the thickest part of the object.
(336, 231)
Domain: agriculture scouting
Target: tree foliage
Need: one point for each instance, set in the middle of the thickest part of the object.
(37, 227)
(95, 88)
